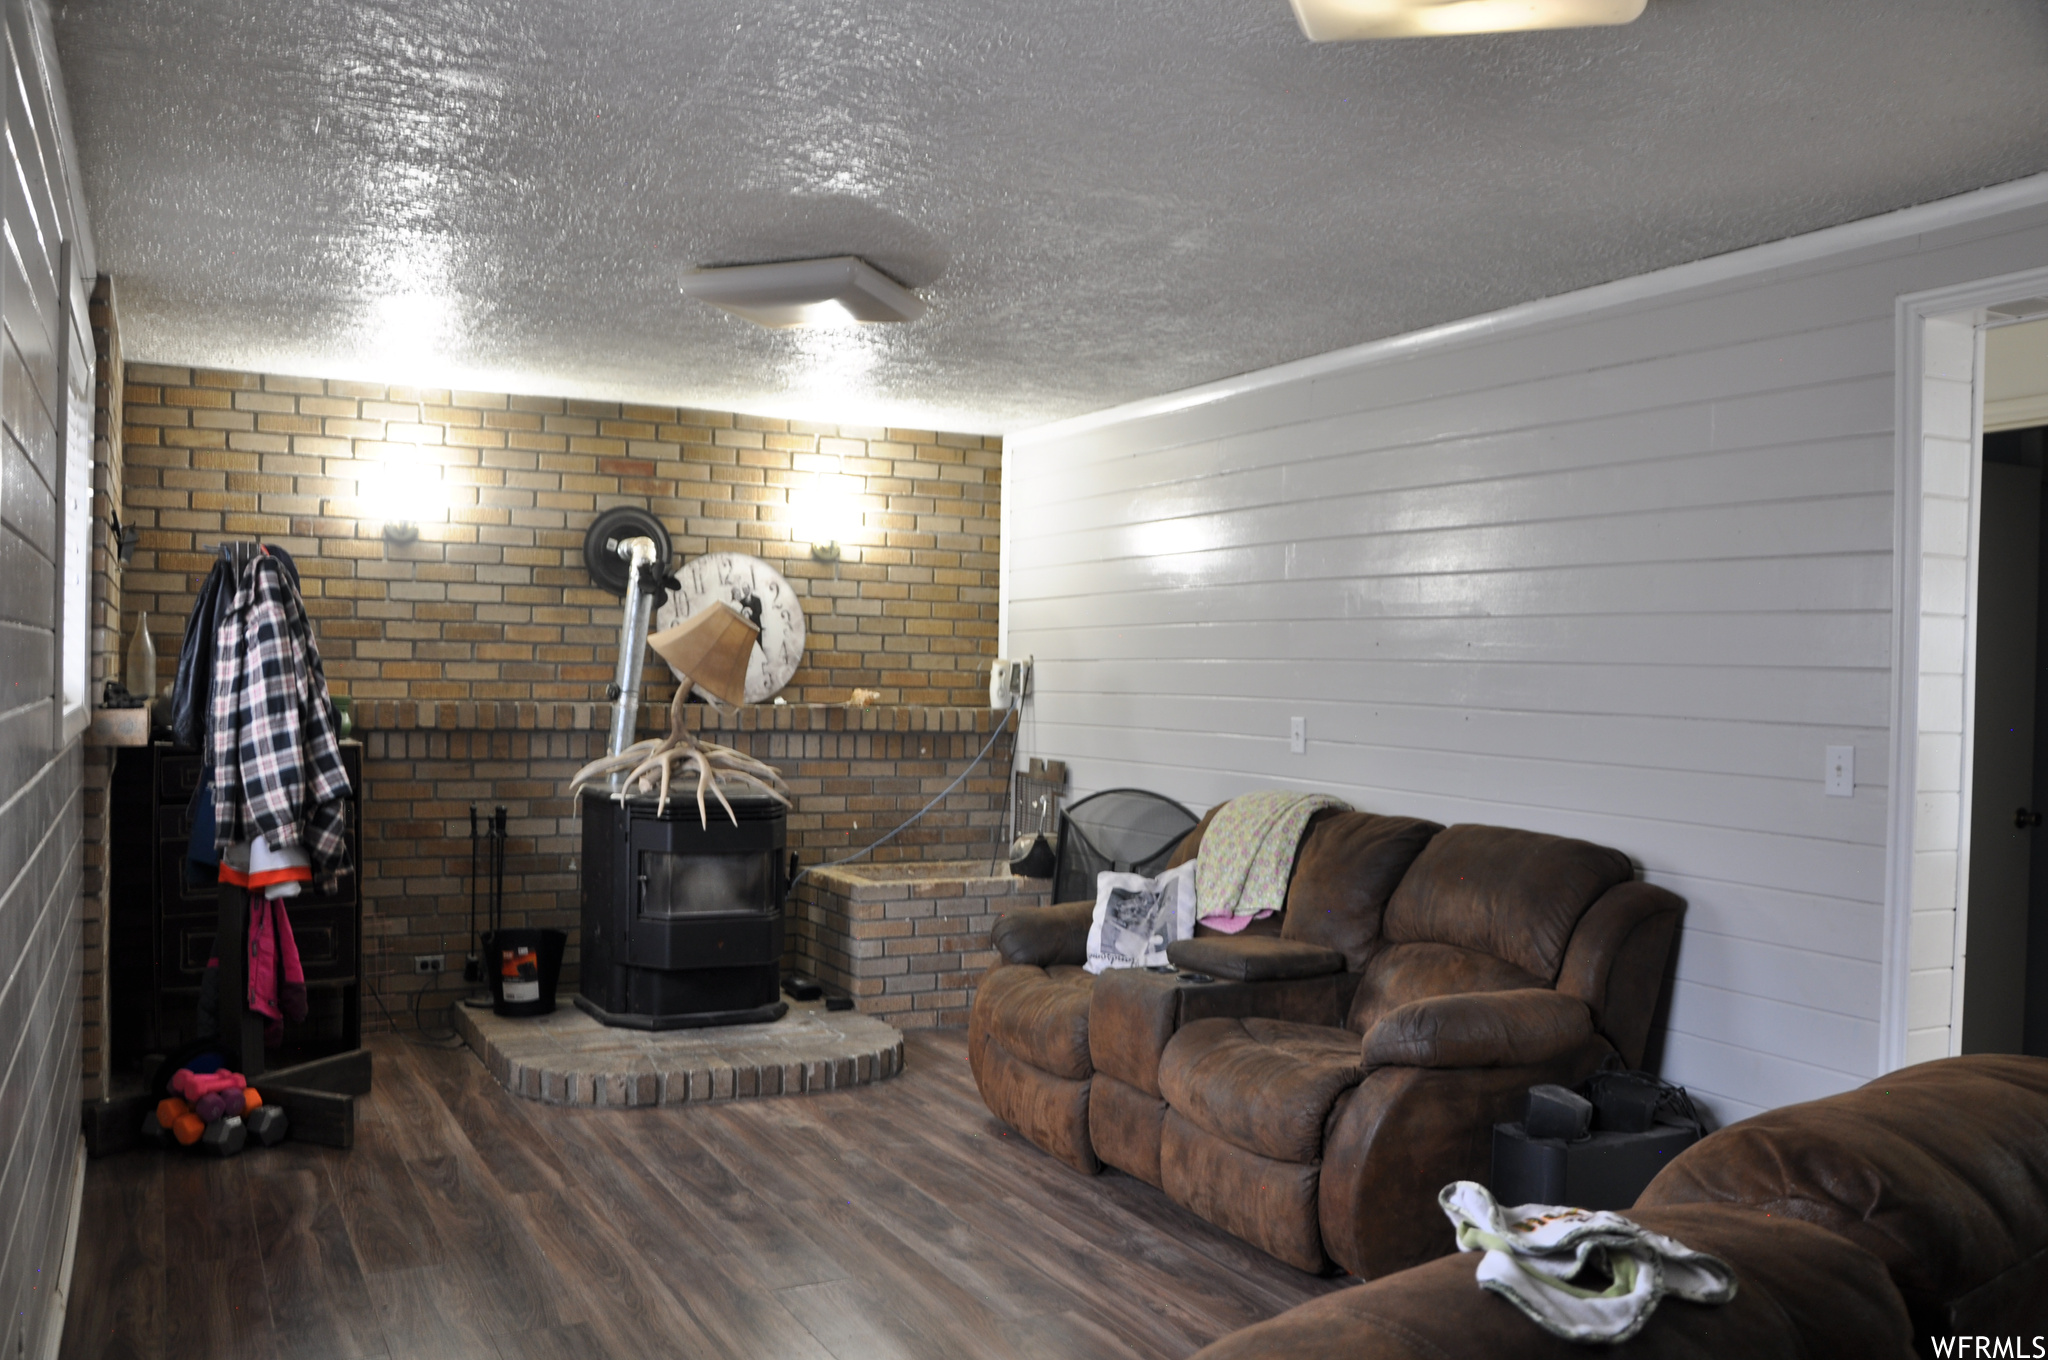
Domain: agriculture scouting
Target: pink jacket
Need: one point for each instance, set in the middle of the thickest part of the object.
(277, 982)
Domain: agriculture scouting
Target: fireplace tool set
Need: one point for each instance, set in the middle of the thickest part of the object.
(522, 965)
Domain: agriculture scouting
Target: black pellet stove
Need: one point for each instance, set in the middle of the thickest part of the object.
(682, 922)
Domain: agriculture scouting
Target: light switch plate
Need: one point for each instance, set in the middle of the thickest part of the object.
(1841, 771)
(1297, 735)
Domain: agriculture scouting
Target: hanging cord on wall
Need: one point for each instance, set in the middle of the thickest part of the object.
(914, 817)
(449, 1038)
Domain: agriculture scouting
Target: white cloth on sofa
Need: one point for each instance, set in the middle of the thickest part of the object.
(1535, 1252)
(1137, 917)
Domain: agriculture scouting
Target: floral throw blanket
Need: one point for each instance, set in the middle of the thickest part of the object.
(1248, 852)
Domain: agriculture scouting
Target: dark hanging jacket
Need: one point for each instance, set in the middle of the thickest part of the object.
(192, 694)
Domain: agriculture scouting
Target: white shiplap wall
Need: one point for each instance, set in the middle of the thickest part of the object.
(1617, 565)
(41, 767)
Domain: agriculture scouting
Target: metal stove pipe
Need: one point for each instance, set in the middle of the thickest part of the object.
(639, 553)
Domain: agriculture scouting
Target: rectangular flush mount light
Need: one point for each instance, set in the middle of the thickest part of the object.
(829, 292)
(1348, 20)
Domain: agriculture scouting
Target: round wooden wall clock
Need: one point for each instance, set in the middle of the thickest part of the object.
(761, 593)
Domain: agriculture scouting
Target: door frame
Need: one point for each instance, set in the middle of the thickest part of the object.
(1938, 441)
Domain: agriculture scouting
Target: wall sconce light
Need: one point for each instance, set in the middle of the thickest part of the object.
(826, 512)
(403, 493)
(1350, 20)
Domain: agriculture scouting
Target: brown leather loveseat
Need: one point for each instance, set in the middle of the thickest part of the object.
(1891, 1219)
(1347, 1061)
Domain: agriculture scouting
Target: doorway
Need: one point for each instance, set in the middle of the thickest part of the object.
(2004, 1002)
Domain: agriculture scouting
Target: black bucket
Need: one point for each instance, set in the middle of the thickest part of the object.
(523, 967)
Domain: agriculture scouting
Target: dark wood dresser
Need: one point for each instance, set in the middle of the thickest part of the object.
(162, 919)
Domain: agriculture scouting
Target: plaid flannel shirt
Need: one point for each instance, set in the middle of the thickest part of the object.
(277, 770)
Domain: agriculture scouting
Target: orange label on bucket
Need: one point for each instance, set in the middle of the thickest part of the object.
(520, 969)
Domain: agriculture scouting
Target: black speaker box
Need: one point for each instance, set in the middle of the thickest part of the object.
(1604, 1171)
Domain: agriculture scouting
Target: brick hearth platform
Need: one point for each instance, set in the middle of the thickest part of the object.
(569, 1059)
(907, 941)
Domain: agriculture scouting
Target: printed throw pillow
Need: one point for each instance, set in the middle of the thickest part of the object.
(1137, 917)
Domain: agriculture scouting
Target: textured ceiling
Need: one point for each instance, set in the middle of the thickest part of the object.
(1100, 199)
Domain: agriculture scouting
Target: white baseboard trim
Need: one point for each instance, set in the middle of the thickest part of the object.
(53, 1326)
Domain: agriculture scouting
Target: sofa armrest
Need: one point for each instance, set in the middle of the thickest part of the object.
(1044, 936)
(1135, 1012)
(1253, 958)
(1801, 1292)
(1480, 1029)
(1616, 960)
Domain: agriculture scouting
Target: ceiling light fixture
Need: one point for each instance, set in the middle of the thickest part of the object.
(1350, 20)
(834, 292)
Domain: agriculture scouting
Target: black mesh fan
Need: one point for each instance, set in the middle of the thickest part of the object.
(1124, 830)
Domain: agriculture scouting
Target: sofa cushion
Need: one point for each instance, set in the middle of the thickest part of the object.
(1939, 1170)
(1040, 1015)
(1800, 1294)
(1403, 973)
(1264, 1085)
(1257, 958)
(1135, 1013)
(1191, 844)
(1348, 865)
(1517, 895)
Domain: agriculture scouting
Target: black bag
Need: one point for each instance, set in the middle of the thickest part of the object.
(1627, 1101)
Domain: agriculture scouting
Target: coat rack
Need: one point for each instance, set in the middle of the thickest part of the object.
(319, 1097)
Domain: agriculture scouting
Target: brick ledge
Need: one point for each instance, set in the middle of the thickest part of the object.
(403, 715)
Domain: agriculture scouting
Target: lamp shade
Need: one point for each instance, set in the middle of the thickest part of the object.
(712, 648)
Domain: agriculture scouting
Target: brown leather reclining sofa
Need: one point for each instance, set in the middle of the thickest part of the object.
(1352, 1055)
(1864, 1225)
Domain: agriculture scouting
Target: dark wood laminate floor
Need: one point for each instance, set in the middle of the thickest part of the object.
(893, 1220)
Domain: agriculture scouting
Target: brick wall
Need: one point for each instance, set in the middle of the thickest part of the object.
(492, 602)
(478, 656)
(854, 774)
(109, 630)
(908, 942)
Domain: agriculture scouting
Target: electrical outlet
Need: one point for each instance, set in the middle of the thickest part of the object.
(428, 963)
(1841, 772)
(1008, 681)
(1297, 735)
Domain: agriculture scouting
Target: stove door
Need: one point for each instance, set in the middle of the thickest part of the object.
(704, 898)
